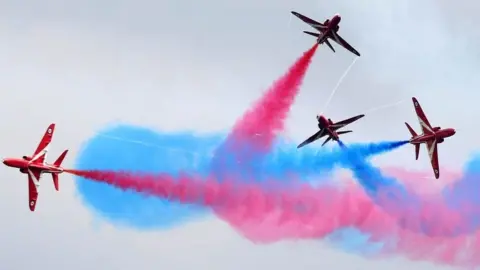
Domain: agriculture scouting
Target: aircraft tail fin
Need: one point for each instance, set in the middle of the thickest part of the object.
(411, 130)
(414, 134)
(60, 159)
(329, 45)
(58, 163)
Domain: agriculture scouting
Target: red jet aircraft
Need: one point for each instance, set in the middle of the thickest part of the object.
(327, 127)
(329, 29)
(431, 137)
(35, 166)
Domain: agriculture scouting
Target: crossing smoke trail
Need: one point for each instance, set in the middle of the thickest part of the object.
(449, 220)
(138, 149)
(286, 160)
(271, 212)
(440, 224)
(433, 227)
(419, 213)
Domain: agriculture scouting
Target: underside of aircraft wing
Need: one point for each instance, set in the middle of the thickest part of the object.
(340, 41)
(345, 122)
(317, 25)
(313, 138)
(432, 148)
(33, 184)
(422, 118)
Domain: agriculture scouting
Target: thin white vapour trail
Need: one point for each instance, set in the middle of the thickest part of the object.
(147, 144)
(386, 106)
(338, 84)
(289, 21)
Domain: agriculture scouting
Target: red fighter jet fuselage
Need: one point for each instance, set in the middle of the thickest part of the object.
(328, 30)
(431, 137)
(325, 123)
(333, 25)
(330, 129)
(25, 163)
(34, 166)
(438, 135)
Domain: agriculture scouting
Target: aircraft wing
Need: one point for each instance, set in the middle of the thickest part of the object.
(42, 148)
(345, 122)
(422, 118)
(340, 41)
(432, 149)
(317, 25)
(313, 138)
(33, 184)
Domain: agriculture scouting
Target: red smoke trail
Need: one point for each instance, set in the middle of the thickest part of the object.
(303, 212)
(260, 123)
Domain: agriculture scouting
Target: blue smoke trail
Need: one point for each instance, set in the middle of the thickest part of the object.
(306, 163)
(171, 153)
(132, 209)
(460, 198)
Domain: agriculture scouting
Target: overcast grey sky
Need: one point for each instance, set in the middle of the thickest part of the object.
(172, 65)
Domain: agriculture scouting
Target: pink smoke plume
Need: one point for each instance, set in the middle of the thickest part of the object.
(261, 122)
(270, 213)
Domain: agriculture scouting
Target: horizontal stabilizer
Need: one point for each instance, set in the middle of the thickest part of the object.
(327, 140)
(412, 132)
(417, 151)
(312, 34)
(344, 132)
(329, 45)
(58, 163)
(55, 180)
